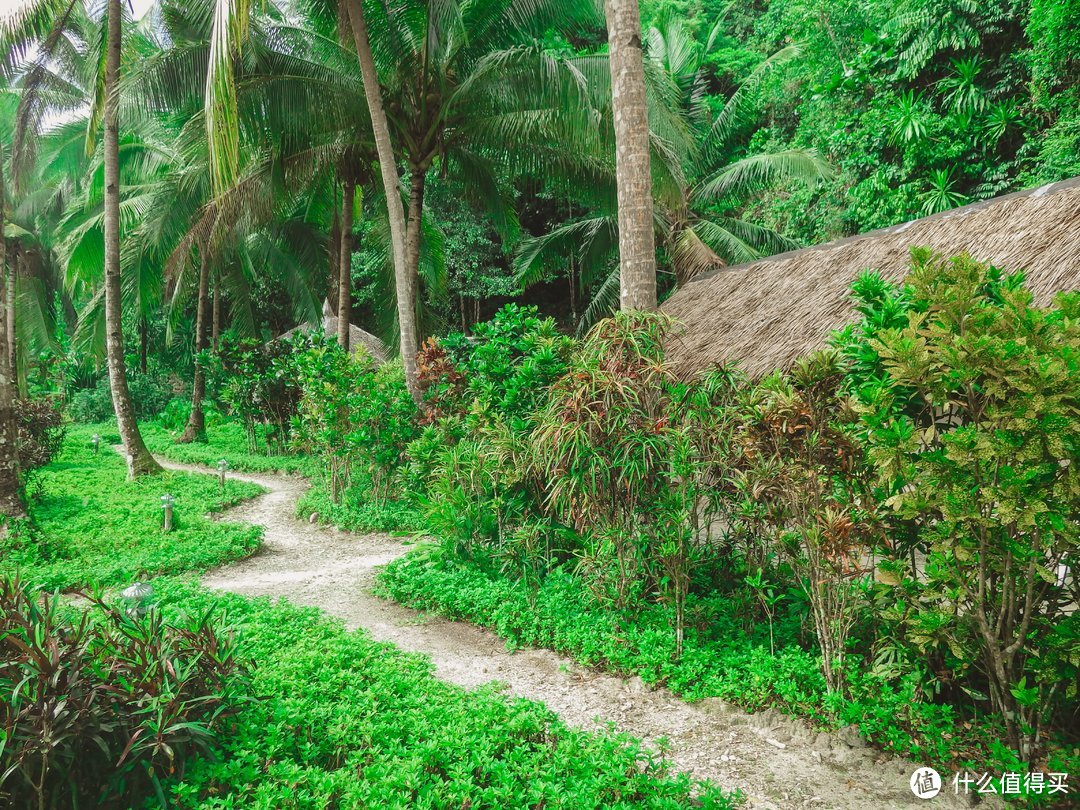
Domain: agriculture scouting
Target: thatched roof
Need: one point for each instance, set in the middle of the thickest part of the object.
(357, 336)
(766, 314)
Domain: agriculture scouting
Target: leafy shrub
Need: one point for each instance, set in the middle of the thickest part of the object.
(808, 495)
(257, 383)
(150, 393)
(505, 365)
(40, 435)
(100, 708)
(617, 454)
(467, 469)
(352, 412)
(972, 413)
(91, 405)
(174, 416)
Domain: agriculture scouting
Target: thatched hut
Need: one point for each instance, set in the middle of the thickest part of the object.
(766, 314)
(357, 336)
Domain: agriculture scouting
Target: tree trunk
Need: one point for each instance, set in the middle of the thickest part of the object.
(216, 333)
(11, 505)
(413, 232)
(195, 430)
(144, 343)
(345, 265)
(139, 460)
(9, 296)
(637, 248)
(388, 168)
(333, 252)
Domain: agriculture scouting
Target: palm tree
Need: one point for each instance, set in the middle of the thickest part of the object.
(47, 172)
(254, 220)
(345, 263)
(139, 460)
(195, 430)
(465, 85)
(46, 24)
(700, 181)
(469, 88)
(637, 250)
(391, 189)
(11, 505)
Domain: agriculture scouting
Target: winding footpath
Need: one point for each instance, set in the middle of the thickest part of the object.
(774, 760)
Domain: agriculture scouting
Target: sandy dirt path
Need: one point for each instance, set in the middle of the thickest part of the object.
(775, 761)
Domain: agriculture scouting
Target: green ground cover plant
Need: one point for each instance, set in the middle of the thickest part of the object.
(92, 527)
(723, 656)
(356, 511)
(217, 701)
(896, 513)
(352, 722)
(225, 439)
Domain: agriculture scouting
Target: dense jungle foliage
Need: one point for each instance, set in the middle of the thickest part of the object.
(183, 698)
(880, 536)
(921, 105)
(385, 245)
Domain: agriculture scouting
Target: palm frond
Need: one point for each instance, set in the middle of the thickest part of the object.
(758, 172)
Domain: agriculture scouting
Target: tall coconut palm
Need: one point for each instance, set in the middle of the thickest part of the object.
(470, 88)
(380, 128)
(139, 460)
(701, 182)
(344, 296)
(11, 505)
(637, 250)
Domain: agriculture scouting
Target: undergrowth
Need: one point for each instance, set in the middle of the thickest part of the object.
(329, 718)
(91, 526)
(346, 721)
(225, 439)
(720, 658)
(357, 512)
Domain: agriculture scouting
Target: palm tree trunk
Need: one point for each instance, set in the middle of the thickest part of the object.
(144, 344)
(413, 230)
(388, 168)
(333, 278)
(637, 248)
(139, 460)
(9, 296)
(195, 430)
(11, 505)
(216, 327)
(345, 265)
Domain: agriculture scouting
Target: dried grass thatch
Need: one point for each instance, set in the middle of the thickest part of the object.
(766, 314)
(357, 336)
